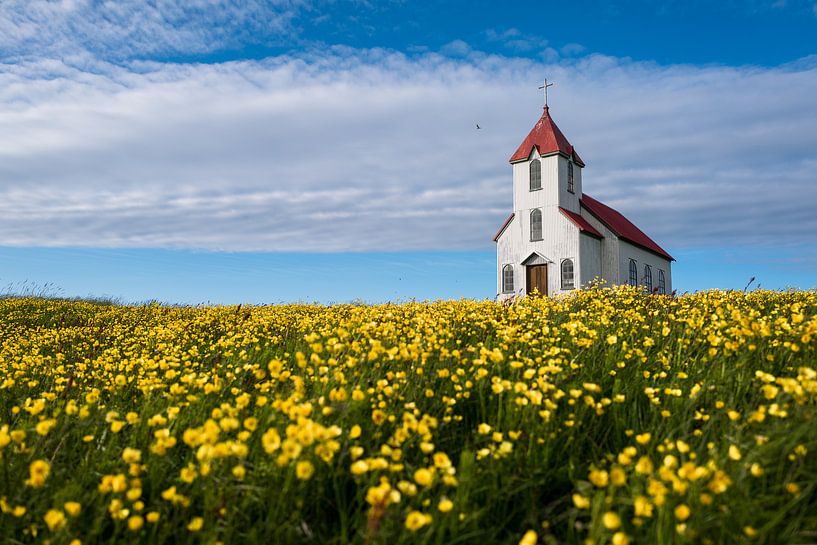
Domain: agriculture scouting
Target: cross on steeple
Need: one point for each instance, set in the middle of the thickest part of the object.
(545, 87)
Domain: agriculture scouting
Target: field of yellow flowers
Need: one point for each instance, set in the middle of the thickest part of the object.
(605, 417)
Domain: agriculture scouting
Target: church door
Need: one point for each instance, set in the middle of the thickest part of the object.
(537, 278)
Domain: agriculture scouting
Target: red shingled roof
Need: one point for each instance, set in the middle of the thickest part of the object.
(581, 223)
(621, 226)
(504, 225)
(546, 137)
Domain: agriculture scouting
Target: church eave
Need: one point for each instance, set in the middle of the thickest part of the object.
(574, 156)
(581, 224)
(504, 226)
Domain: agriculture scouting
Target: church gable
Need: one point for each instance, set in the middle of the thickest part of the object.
(535, 258)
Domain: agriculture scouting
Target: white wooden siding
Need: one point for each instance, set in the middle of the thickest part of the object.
(609, 251)
(590, 252)
(560, 240)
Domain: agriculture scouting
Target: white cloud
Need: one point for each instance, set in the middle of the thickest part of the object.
(372, 150)
(124, 29)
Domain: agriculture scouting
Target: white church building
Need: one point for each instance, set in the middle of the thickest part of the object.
(558, 238)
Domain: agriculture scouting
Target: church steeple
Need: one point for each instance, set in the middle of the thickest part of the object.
(547, 139)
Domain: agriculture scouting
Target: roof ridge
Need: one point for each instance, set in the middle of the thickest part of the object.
(621, 226)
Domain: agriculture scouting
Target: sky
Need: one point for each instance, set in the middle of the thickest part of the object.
(211, 151)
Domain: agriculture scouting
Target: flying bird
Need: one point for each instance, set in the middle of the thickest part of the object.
(478, 127)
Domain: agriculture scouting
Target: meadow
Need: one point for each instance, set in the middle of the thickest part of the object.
(606, 417)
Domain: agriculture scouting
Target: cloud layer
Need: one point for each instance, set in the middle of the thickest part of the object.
(124, 29)
(345, 149)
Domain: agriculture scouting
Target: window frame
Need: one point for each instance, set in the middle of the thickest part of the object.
(531, 177)
(647, 280)
(541, 227)
(572, 285)
(633, 280)
(570, 177)
(662, 282)
(505, 269)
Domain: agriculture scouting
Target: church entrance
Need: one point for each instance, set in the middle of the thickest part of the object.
(537, 278)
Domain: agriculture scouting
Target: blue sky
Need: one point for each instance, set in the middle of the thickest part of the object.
(293, 150)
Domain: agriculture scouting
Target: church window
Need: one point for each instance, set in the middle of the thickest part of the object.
(633, 273)
(662, 284)
(536, 224)
(648, 278)
(535, 175)
(570, 176)
(567, 274)
(507, 279)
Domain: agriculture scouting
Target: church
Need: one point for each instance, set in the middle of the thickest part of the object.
(558, 238)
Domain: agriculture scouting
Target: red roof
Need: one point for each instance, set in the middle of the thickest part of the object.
(546, 137)
(621, 226)
(581, 223)
(504, 225)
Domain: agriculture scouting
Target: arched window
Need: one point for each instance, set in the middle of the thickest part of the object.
(633, 273)
(648, 278)
(570, 176)
(535, 175)
(507, 279)
(662, 284)
(567, 274)
(536, 224)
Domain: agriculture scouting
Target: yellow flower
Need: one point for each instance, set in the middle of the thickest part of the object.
(643, 438)
(749, 531)
(734, 453)
(445, 505)
(416, 520)
(54, 519)
(355, 432)
(642, 506)
(598, 477)
(271, 440)
(304, 470)
(152, 517)
(618, 476)
(682, 512)
(611, 520)
(530, 538)
(38, 473)
(44, 426)
(131, 455)
(195, 524)
(423, 477)
(620, 538)
(72, 508)
(188, 474)
(135, 523)
(644, 465)
(580, 501)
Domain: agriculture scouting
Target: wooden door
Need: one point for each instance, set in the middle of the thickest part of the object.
(537, 278)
